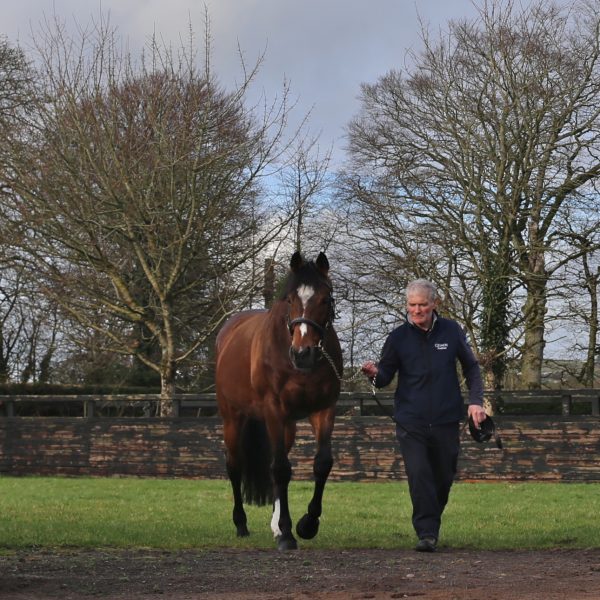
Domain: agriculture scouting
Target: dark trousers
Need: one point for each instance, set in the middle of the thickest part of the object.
(430, 455)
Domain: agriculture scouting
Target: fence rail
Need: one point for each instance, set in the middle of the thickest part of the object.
(351, 403)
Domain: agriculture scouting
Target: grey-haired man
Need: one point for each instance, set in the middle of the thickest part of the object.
(428, 403)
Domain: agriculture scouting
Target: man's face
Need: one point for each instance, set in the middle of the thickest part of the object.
(420, 309)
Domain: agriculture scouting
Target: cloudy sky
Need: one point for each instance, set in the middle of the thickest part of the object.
(324, 48)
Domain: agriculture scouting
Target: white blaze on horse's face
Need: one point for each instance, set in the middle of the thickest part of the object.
(305, 293)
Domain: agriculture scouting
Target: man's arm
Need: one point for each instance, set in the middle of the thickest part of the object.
(383, 372)
(472, 373)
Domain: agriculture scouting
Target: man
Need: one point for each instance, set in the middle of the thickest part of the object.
(428, 404)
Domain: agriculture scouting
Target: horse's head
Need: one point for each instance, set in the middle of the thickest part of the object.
(310, 309)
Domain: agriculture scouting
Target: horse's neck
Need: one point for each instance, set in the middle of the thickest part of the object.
(277, 318)
(278, 310)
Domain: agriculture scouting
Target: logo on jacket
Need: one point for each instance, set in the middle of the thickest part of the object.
(441, 346)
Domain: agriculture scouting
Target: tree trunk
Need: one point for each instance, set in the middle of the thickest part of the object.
(535, 313)
(4, 366)
(167, 388)
(494, 323)
(269, 282)
(587, 376)
(489, 383)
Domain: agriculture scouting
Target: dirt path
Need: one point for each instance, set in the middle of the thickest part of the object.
(303, 575)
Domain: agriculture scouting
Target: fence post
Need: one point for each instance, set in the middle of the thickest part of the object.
(176, 407)
(89, 408)
(566, 405)
(596, 406)
(10, 408)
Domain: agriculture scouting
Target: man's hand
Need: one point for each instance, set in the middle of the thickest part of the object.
(478, 414)
(369, 369)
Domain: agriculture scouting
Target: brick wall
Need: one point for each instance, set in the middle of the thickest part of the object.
(541, 448)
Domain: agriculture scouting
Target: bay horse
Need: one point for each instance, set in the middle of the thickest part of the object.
(274, 367)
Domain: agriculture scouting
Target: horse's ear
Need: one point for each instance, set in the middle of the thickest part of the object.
(297, 261)
(322, 264)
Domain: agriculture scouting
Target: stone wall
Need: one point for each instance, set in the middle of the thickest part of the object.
(540, 448)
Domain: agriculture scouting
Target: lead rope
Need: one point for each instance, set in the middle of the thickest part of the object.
(381, 406)
(355, 376)
(337, 374)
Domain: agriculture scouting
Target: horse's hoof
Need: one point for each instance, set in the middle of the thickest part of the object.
(287, 543)
(242, 531)
(307, 527)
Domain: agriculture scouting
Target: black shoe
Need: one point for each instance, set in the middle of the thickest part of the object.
(426, 544)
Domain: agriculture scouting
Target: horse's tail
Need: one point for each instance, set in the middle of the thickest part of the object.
(257, 485)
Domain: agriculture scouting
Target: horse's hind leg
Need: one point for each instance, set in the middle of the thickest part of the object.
(239, 514)
(231, 433)
(322, 424)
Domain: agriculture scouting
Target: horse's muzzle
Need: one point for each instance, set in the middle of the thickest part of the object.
(305, 358)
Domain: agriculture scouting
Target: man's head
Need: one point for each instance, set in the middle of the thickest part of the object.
(421, 301)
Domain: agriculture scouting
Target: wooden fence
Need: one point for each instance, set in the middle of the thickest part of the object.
(560, 447)
(352, 403)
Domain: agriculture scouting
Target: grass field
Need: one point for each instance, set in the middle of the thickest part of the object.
(176, 514)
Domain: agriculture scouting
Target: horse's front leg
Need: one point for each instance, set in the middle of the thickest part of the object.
(322, 424)
(282, 439)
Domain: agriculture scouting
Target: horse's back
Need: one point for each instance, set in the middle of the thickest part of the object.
(233, 324)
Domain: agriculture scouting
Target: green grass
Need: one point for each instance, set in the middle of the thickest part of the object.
(175, 514)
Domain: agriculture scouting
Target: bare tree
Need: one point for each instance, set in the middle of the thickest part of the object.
(28, 326)
(577, 291)
(16, 79)
(302, 184)
(476, 149)
(136, 191)
(11, 327)
(591, 283)
(17, 317)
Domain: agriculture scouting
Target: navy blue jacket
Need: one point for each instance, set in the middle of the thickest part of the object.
(428, 390)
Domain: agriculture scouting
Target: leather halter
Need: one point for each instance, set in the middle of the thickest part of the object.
(321, 329)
